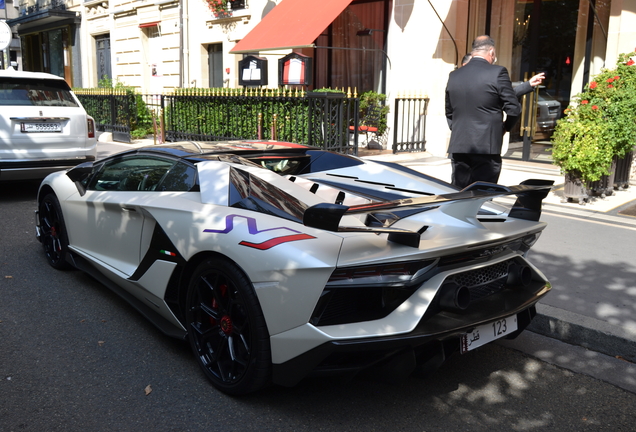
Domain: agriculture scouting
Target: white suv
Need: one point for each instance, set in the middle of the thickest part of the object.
(43, 126)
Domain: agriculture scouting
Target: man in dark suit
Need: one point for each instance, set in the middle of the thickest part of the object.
(477, 95)
(527, 86)
(523, 88)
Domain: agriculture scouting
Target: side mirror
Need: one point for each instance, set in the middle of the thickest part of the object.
(79, 174)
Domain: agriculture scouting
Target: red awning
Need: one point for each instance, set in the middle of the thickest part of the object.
(291, 24)
(150, 24)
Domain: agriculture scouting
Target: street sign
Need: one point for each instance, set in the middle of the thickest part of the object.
(5, 35)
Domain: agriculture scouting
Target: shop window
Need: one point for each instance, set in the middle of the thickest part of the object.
(351, 53)
(238, 4)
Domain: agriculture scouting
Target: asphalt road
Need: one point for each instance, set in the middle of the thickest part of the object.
(601, 281)
(74, 357)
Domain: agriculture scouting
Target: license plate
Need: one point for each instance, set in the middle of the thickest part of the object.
(483, 334)
(40, 127)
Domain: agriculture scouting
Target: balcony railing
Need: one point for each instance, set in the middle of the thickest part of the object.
(30, 7)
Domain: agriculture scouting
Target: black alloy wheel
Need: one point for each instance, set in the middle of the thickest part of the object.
(53, 232)
(226, 328)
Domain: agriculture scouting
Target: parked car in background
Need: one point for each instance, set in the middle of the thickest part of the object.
(43, 126)
(548, 112)
(277, 261)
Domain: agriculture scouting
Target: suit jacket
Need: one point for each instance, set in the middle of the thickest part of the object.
(477, 95)
(523, 88)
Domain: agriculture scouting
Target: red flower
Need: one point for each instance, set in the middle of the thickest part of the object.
(611, 80)
(593, 85)
(610, 86)
(616, 77)
(594, 107)
(630, 62)
(584, 102)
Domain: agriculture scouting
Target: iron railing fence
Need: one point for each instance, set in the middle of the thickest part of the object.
(114, 110)
(333, 121)
(327, 120)
(317, 119)
(409, 123)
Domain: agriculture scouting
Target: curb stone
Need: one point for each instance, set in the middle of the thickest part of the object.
(593, 334)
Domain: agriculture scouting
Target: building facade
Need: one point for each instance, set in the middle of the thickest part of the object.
(396, 47)
(49, 38)
(12, 55)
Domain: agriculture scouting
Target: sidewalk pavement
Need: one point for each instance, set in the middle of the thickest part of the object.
(564, 325)
(512, 173)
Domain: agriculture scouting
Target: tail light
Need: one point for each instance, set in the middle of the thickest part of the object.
(90, 126)
(367, 293)
(393, 273)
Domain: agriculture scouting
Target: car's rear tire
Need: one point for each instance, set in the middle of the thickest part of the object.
(53, 232)
(226, 328)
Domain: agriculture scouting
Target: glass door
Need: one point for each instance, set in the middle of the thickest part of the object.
(543, 40)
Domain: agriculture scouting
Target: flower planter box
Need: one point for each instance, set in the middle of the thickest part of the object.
(605, 186)
(575, 189)
(598, 125)
(623, 171)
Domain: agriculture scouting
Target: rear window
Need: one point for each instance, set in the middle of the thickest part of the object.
(35, 92)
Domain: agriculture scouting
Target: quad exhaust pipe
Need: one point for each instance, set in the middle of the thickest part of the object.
(519, 275)
(454, 297)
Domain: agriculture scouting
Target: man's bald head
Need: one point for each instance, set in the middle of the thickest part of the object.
(484, 46)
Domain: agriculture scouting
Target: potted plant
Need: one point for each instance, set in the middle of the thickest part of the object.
(219, 8)
(599, 128)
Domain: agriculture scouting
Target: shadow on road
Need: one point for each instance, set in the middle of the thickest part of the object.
(19, 190)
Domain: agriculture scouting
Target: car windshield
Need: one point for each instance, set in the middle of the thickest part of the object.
(545, 96)
(35, 92)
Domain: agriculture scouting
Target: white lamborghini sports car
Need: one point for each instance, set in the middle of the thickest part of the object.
(278, 261)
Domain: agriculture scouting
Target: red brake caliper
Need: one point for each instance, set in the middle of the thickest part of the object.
(226, 321)
(53, 237)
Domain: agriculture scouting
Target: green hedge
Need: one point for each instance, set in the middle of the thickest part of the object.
(234, 113)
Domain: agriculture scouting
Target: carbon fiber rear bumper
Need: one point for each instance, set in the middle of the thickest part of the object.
(441, 330)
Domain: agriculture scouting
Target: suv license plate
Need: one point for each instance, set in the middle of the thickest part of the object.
(40, 127)
(483, 334)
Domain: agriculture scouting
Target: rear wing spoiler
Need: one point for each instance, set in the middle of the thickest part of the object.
(530, 195)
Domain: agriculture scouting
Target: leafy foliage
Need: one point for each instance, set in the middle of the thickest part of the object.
(141, 123)
(328, 90)
(600, 124)
(105, 82)
(372, 99)
(130, 107)
(227, 114)
(238, 114)
(219, 8)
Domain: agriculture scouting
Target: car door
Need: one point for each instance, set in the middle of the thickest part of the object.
(111, 214)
